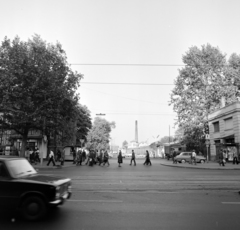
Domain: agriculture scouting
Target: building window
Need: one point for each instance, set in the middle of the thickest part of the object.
(228, 123)
(216, 127)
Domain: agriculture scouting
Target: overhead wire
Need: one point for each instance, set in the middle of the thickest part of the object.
(127, 83)
(133, 99)
(125, 64)
(152, 114)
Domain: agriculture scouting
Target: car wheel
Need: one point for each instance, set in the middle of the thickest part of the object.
(183, 161)
(33, 208)
(202, 161)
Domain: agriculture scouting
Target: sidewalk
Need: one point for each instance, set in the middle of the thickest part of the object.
(209, 165)
(58, 166)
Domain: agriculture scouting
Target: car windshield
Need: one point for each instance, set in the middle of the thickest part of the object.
(20, 167)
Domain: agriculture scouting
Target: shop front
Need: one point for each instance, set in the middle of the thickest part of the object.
(229, 149)
(224, 128)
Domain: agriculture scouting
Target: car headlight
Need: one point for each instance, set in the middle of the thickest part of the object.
(69, 188)
(57, 195)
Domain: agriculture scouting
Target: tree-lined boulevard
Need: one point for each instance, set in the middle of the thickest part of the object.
(142, 197)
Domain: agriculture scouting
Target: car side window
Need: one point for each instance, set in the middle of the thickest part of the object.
(3, 171)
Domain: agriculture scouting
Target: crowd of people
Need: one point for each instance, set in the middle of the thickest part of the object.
(94, 157)
(224, 157)
(32, 154)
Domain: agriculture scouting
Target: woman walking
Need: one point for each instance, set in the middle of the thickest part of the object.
(105, 158)
(120, 161)
(147, 161)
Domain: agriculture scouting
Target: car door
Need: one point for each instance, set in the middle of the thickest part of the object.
(7, 189)
(186, 156)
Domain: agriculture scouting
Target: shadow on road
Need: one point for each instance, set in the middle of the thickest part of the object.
(10, 220)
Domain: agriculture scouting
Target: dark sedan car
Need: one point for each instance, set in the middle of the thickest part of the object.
(23, 189)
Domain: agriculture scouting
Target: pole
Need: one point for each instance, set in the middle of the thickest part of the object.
(169, 148)
(43, 141)
(207, 153)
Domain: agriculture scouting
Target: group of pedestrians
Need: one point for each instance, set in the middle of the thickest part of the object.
(60, 157)
(32, 155)
(94, 157)
(133, 159)
(223, 157)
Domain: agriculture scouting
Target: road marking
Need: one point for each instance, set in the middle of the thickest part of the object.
(129, 191)
(230, 202)
(98, 201)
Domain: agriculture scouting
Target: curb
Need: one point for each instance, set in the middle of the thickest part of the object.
(53, 167)
(192, 167)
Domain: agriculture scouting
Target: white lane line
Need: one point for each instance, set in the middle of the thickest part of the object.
(230, 202)
(98, 201)
(129, 191)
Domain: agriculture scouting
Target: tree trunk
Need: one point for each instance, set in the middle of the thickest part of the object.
(24, 144)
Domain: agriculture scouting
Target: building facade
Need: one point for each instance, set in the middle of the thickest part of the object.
(224, 130)
(11, 142)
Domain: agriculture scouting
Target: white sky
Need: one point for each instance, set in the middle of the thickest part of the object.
(126, 32)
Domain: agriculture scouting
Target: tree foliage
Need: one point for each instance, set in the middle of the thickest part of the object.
(37, 86)
(166, 139)
(98, 137)
(125, 144)
(202, 82)
(77, 128)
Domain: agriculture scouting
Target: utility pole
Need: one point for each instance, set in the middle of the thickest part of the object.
(169, 140)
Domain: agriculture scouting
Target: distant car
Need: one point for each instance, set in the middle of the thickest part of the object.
(140, 156)
(186, 157)
(128, 155)
(23, 189)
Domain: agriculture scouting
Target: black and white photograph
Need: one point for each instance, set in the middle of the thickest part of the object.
(119, 114)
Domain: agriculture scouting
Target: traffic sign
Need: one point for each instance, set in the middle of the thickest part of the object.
(207, 136)
(207, 142)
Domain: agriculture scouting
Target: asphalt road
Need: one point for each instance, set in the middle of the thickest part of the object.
(142, 197)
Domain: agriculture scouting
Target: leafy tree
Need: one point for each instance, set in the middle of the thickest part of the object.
(37, 86)
(98, 137)
(179, 133)
(166, 139)
(77, 128)
(125, 144)
(83, 124)
(199, 88)
(233, 72)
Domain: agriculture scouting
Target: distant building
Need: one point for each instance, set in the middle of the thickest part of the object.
(224, 130)
(114, 149)
(133, 144)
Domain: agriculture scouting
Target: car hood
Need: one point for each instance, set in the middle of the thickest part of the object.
(45, 179)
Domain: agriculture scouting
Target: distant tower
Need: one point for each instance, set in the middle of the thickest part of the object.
(136, 131)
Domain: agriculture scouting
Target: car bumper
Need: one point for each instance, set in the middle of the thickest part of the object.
(61, 199)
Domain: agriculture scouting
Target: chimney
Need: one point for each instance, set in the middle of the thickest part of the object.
(136, 131)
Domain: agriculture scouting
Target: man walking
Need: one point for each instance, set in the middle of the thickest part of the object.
(133, 158)
(51, 158)
(194, 156)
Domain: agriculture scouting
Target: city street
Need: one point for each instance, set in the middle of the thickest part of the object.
(142, 197)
